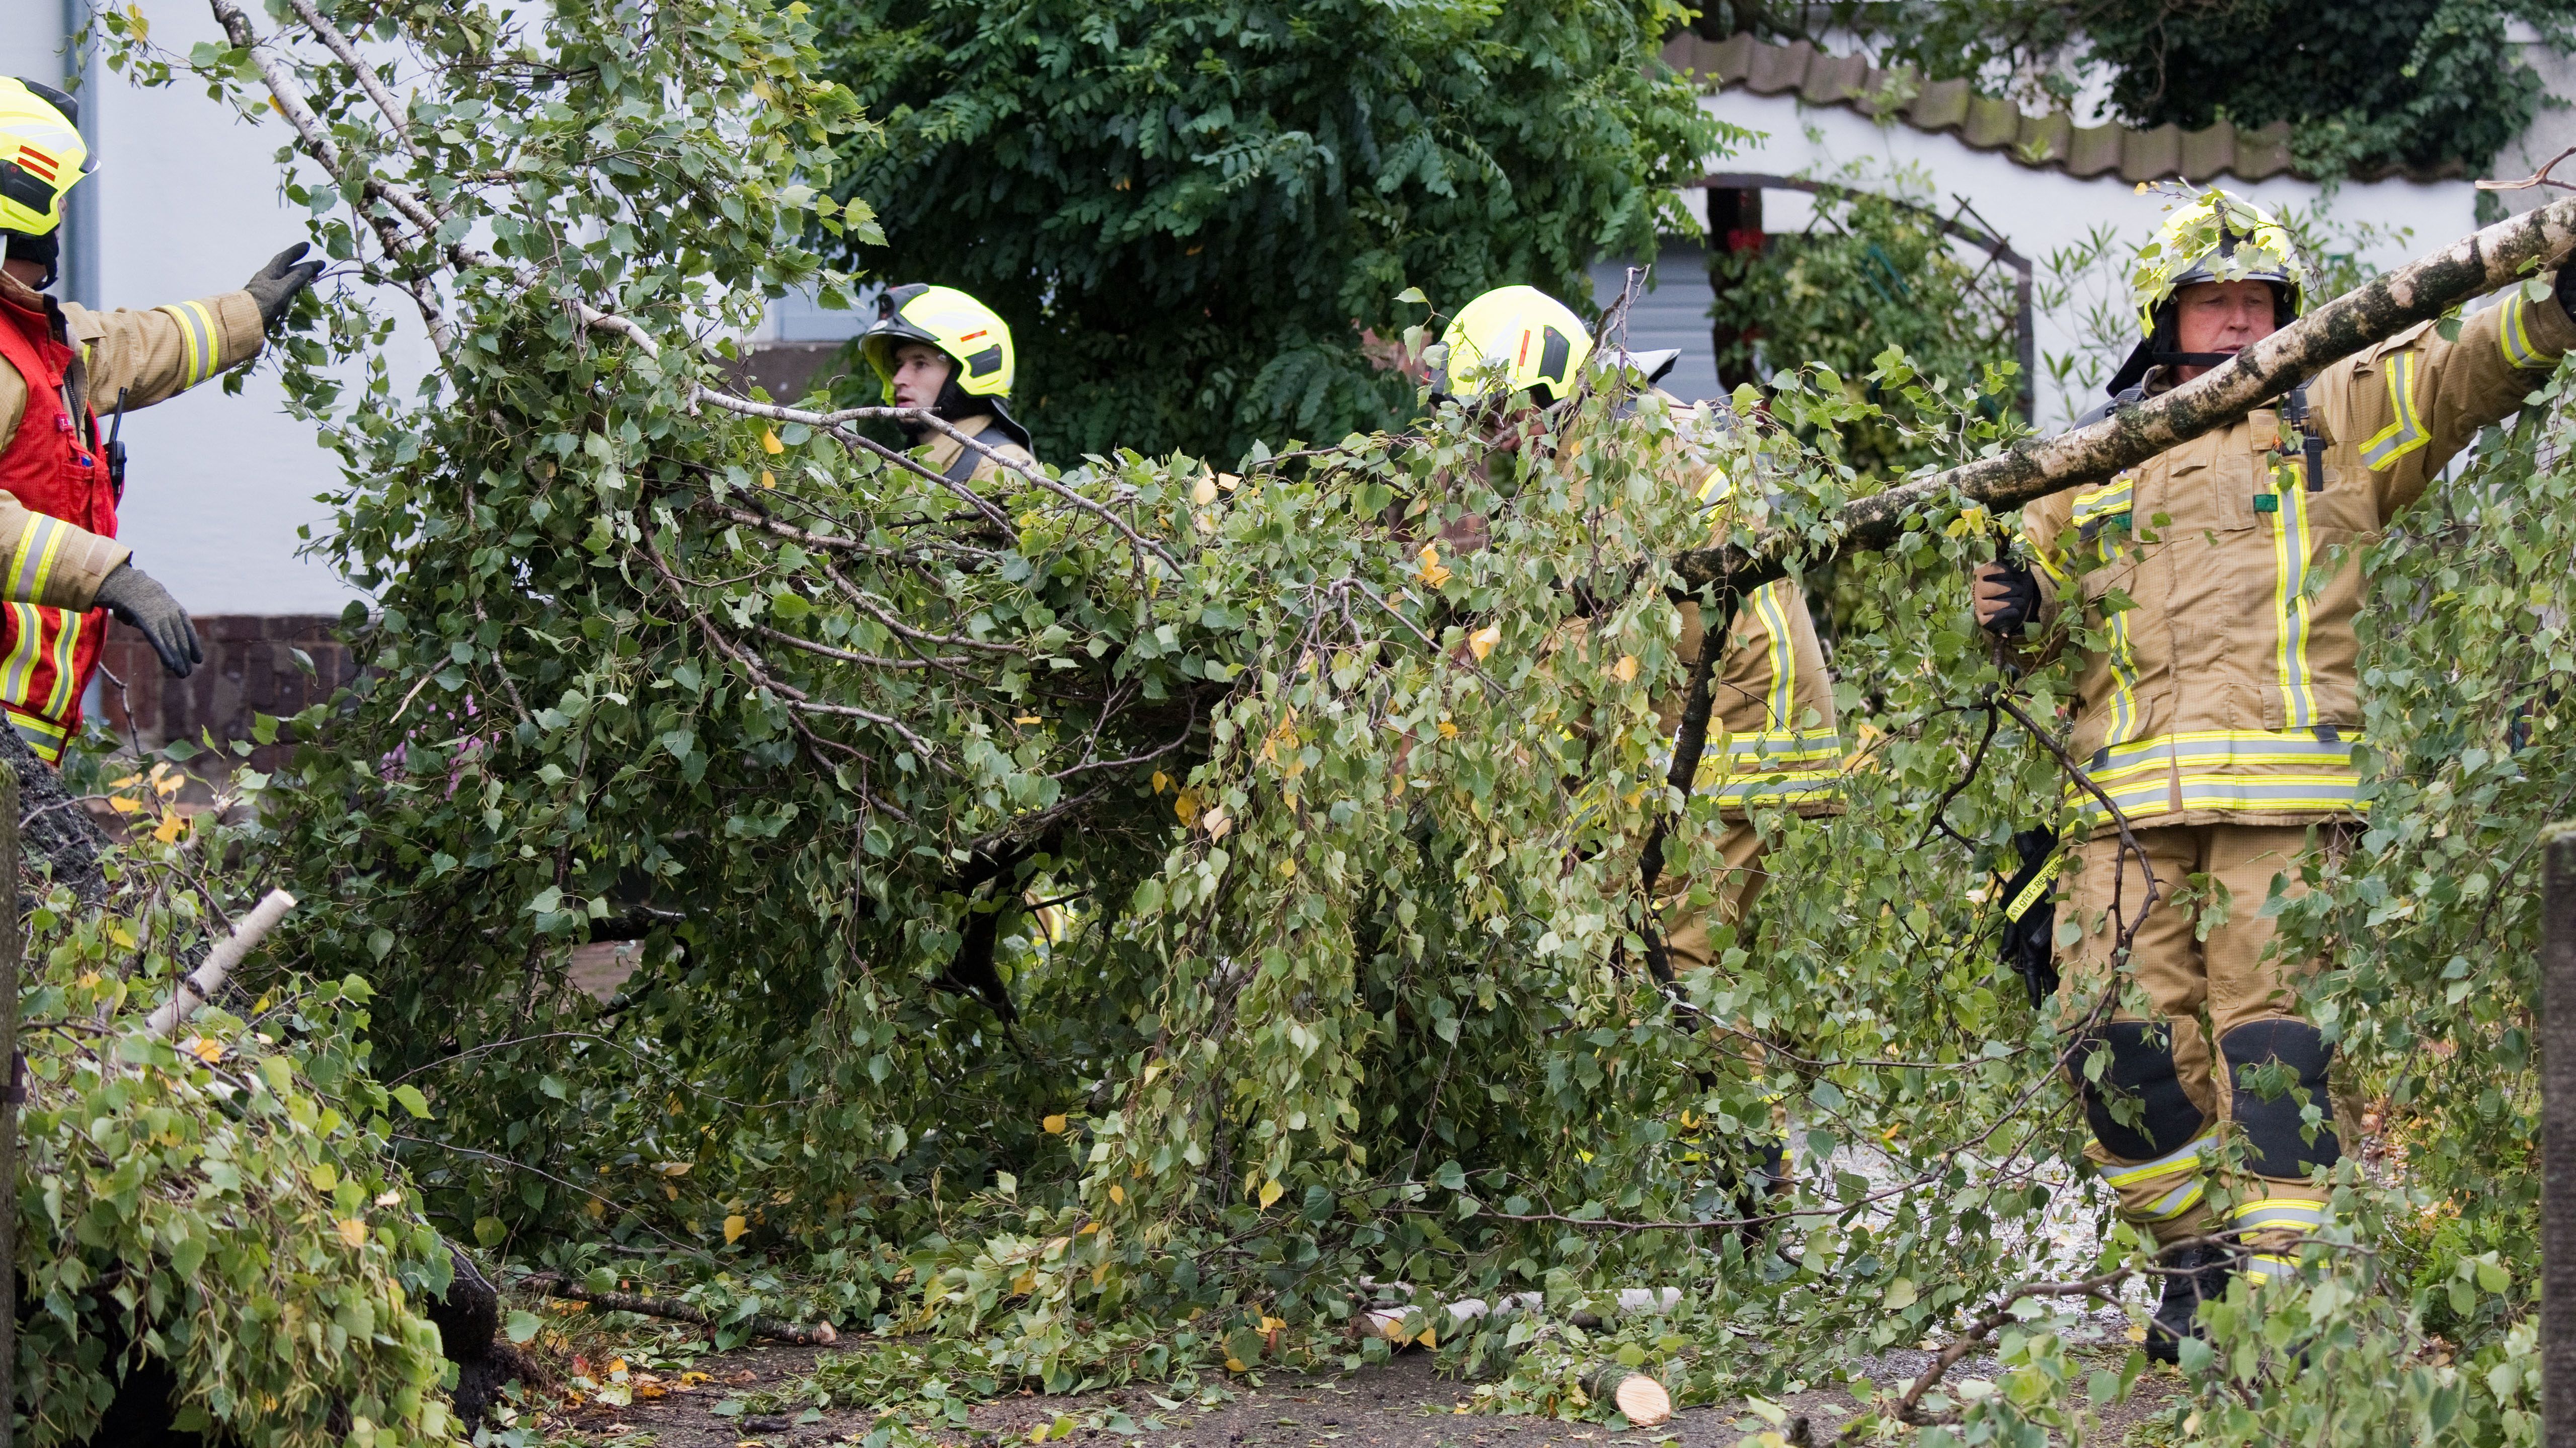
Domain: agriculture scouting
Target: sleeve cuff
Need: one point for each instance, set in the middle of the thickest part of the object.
(57, 565)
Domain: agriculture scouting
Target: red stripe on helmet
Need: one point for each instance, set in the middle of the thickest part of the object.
(36, 161)
(1524, 356)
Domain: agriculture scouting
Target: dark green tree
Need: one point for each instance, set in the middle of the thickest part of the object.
(1189, 211)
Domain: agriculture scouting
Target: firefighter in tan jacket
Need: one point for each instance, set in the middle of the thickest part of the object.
(940, 350)
(60, 480)
(1772, 742)
(2218, 709)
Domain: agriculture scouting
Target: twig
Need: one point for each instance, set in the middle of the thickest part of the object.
(821, 1334)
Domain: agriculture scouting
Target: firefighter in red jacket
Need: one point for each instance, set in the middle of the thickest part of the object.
(61, 571)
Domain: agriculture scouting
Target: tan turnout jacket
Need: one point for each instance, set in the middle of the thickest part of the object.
(150, 357)
(2220, 590)
(944, 452)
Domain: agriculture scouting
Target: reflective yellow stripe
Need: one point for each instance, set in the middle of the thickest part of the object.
(2513, 337)
(2204, 748)
(26, 646)
(2176, 1202)
(197, 333)
(58, 701)
(38, 548)
(1783, 705)
(1792, 787)
(2302, 1214)
(2290, 548)
(2234, 794)
(2405, 434)
(2105, 502)
(2187, 1158)
(1717, 488)
(2020, 904)
(42, 735)
(2123, 659)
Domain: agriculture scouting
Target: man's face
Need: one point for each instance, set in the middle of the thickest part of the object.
(23, 270)
(919, 372)
(2222, 317)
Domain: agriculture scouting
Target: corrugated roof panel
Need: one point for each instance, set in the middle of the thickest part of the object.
(2050, 142)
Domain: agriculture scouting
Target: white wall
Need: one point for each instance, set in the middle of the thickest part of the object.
(188, 205)
(2039, 211)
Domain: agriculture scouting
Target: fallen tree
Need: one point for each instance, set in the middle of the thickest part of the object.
(1102, 913)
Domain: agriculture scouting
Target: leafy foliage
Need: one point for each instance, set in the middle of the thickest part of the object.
(226, 1203)
(1125, 920)
(1189, 212)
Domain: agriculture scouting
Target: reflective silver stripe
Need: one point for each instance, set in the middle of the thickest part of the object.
(2513, 337)
(2290, 548)
(2176, 1202)
(2187, 1158)
(37, 549)
(2262, 1267)
(197, 350)
(2244, 793)
(58, 701)
(2304, 1214)
(1783, 704)
(1788, 746)
(26, 646)
(2220, 748)
(1781, 788)
(2405, 434)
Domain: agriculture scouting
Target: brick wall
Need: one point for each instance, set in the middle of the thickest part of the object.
(250, 668)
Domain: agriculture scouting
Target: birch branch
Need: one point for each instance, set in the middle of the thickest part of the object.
(2036, 467)
(200, 985)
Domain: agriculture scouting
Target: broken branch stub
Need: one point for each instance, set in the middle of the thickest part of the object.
(2420, 291)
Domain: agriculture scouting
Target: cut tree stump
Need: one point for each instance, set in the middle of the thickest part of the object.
(1644, 1400)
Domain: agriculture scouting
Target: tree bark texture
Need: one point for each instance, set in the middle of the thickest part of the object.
(2558, 1141)
(2036, 467)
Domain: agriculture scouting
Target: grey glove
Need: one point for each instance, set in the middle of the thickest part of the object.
(131, 595)
(274, 286)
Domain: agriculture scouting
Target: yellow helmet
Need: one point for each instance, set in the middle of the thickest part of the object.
(2218, 237)
(972, 334)
(41, 155)
(1535, 342)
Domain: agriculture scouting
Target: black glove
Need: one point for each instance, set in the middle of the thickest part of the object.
(274, 286)
(146, 606)
(2021, 607)
(2030, 935)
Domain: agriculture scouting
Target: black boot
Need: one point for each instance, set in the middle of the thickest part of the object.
(2193, 1275)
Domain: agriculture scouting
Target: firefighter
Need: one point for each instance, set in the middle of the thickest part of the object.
(2218, 708)
(63, 364)
(938, 349)
(1772, 743)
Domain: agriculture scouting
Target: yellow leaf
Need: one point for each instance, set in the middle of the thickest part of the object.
(1218, 822)
(1428, 565)
(1053, 1125)
(1117, 1194)
(1482, 641)
(172, 826)
(1087, 1229)
(207, 1051)
(389, 1198)
(1429, 1338)
(1271, 1192)
(1186, 805)
(735, 1225)
(766, 480)
(1026, 719)
(1234, 1365)
(1162, 781)
(1448, 730)
(125, 804)
(1625, 671)
(1025, 1283)
(1287, 869)
(353, 1231)
(1203, 492)
(769, 442)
